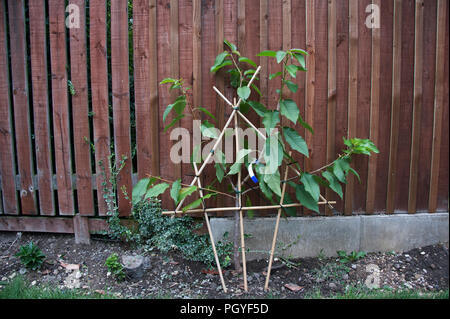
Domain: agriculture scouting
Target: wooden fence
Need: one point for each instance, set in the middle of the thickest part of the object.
(62, 89)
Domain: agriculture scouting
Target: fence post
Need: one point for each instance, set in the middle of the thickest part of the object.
(81, 229)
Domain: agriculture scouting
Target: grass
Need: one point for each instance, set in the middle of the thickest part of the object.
(363, 292)
(19, 289)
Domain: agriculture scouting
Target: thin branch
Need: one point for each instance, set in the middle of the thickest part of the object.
(204, 189)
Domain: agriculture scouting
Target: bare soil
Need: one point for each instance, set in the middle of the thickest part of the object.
(170, 276)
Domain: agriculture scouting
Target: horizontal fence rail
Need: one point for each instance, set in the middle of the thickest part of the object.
(79, 81)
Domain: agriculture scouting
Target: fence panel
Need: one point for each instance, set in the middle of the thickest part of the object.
(389, 84)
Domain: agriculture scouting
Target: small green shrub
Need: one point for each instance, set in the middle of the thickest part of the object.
(31, 256)
(115, 267)
(154, 230)
(353, 256)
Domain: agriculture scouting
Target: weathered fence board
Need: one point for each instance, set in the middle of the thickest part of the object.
(389, 84)
(7, 161)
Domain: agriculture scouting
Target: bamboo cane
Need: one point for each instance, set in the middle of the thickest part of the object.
(241, 217)
(275, 233)
(228, 209)
(210, 232)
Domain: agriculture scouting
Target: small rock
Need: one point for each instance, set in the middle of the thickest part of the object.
(345, 277)
(353, 266)
(408, 285)
(407, 256)
(78, 275)
(249, 278)
(108, 274)
(425, 271)
(22, 271)
(4, 279)
(397, 266)
(12, 275)
(332, 285)
(417, 276)
(33, 283)
(422, 253)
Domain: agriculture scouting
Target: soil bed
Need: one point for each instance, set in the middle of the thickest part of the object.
(170, 276)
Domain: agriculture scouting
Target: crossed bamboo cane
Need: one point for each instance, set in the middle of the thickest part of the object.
(205, 210)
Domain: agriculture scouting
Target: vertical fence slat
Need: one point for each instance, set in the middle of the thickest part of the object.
(275, 36)
(120, 98)
(438, 104)
(363, 104)
(395, 108)
(417, 107)
(426, 121)
(60, 107)
(342, 62)
(331, 104)
(374, 114)
(40, 102)
(142, 83)
(310, 76)
(174, 61)
(352, 94)
(406, 106)
(7, 169)
(99, 95)
(186, 69)
(443, 188)
(386, 53)
(298, 40)
(80, 109)
(319, 146)
(21, 106)
(264, 45)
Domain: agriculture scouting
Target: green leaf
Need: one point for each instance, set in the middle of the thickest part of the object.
(216, 68)
(311, 185)
(196, 203)
(333, 183)
(280, 55)
(186, 191)
(174, 121)
(295, 141)
(236, 167)
(291, 211)
(271, 119)
(175, 190)
(259, 108)
(304, 124)
(168, 80)
(340, 168)
(354, 173)
(301, 51)
(274, 75)
(207, 113)
(306, 199)
(250, 213)
(273, 181)
(208, 130)
(268, 53)
(219, 60)
(140, 189)
(301, 59)
(219, 172)
(156, 190)
(290, 110)
(291, 86)
(244, 92)
(273, 154)
(247, 60)
(178, 105)
(230, 45)
(256, 89)
(292, 70)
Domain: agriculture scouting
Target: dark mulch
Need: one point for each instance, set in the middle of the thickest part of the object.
(168, 275)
